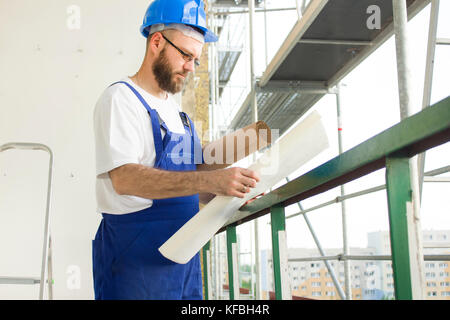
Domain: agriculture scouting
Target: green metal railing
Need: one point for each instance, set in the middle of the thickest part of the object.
(390, 149)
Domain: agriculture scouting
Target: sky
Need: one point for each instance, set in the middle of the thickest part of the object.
(369, 105)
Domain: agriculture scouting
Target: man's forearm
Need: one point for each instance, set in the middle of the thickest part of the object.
(147, 182)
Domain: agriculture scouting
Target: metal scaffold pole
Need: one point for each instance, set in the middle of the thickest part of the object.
(300, 7)
(426, 100)
(212, 79)
(348, 284)
(251, 10)
(413, 231)
(266, 54)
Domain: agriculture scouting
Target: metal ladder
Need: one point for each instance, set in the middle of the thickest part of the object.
(46, 250)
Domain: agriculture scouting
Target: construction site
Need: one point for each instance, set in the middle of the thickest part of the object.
(359, 206)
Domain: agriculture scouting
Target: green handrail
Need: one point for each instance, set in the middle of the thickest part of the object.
(420, 132)
(391, 149)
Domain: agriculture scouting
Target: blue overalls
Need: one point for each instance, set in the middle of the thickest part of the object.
(126, 260)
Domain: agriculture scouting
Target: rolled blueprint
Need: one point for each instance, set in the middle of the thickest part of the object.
(235, 146)
(289, 153)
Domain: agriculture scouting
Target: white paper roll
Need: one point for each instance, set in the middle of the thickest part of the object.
(288, 154)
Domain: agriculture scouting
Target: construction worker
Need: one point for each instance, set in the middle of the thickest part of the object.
(148, 186)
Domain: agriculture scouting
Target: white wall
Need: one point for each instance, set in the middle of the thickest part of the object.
(51, 77)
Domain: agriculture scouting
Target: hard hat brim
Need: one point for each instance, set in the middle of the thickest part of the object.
(209, 35)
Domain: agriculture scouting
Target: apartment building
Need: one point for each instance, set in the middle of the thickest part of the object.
(312, 279)
(370, 279)
(435, 242)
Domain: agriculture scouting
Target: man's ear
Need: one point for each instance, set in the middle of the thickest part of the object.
(154, 42)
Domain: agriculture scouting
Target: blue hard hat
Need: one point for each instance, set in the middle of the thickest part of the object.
(189, 12)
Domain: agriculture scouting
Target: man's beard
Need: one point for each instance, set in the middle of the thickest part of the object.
(164, 73)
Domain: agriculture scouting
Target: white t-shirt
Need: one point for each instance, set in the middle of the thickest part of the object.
(123, 134)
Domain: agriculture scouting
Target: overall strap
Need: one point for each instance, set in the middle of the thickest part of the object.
(186, 121)
(155, 119)
(198, 151)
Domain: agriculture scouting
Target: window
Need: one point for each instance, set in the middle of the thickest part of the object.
(444, 274)
(330, 293)
(316, 294)
(445, 293)
(443, 265)
(432, 293)
(429, 265)
(430, 275)
(315, 284)
(315, 274)
(431, 284)
(445, 284)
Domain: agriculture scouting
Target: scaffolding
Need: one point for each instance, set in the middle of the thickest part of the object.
(290, 86)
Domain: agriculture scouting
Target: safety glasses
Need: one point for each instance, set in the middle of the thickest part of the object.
(186, 56)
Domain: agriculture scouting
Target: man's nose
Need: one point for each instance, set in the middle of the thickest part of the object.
(189, 66)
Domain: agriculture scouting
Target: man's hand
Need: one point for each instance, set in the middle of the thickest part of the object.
(235, 182)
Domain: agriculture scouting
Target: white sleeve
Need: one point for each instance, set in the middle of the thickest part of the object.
(118, 139)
